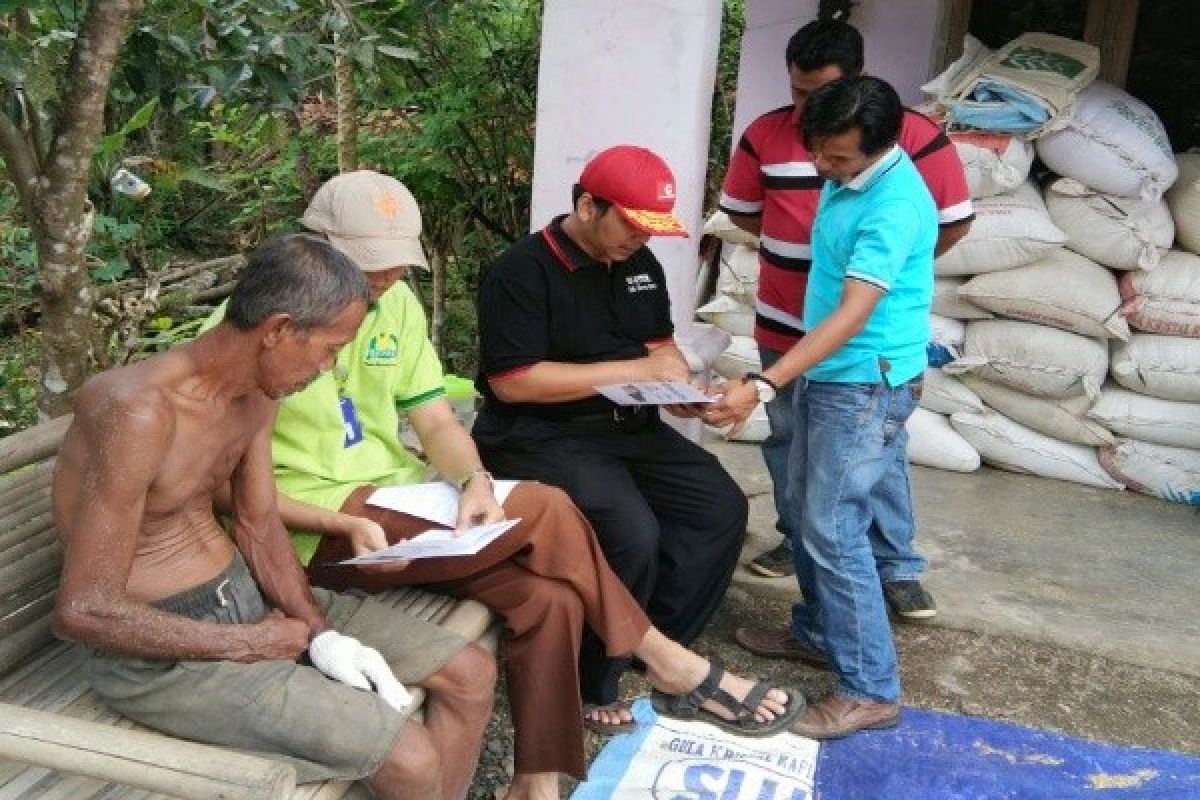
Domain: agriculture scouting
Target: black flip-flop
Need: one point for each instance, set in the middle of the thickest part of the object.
(609, 728)
(689, 706)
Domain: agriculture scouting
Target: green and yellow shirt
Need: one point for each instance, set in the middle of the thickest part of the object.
(389, 368)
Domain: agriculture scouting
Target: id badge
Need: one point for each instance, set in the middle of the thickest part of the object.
(354, 432)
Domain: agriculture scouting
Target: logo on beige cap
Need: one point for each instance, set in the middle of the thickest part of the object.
(387, 205)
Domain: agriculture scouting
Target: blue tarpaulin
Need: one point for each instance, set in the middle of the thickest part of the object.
(939, 756)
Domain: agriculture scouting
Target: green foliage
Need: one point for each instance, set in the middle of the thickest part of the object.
(733, 24)
(18, 383)
(224, 108)
(109, 247)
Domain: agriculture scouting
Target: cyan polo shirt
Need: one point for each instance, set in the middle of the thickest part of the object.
(879, 228)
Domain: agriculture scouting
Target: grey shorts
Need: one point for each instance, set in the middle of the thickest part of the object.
(282, 710)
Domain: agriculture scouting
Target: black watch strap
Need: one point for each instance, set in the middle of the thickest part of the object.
(758, 376)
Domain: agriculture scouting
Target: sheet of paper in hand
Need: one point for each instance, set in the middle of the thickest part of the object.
(436, 501)
(439, 542)
(653, 393)
(669, 758)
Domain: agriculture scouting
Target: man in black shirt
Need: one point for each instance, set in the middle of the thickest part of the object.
(583, 303)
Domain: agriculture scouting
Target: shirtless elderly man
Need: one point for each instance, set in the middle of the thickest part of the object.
(217, 636)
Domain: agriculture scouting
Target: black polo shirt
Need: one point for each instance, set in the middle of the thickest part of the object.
(545, 299)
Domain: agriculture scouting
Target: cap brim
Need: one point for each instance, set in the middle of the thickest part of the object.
(654, 223)
(375, 255)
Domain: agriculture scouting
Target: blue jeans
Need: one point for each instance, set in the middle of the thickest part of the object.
(848, 469)
(776, 446)
(896, 556)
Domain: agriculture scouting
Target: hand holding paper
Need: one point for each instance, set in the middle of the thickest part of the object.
(653, 393)
(437, 543)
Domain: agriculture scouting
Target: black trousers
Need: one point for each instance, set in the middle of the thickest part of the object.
(669, 518)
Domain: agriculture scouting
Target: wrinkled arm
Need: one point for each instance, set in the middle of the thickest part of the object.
(260, 535)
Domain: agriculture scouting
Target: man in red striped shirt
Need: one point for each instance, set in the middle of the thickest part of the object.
(772, 189)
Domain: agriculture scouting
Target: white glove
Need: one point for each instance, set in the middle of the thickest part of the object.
(349, 661)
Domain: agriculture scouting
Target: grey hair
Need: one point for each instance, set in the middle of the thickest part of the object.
(300, 275)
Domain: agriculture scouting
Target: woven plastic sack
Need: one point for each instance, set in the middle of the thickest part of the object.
(1062, 419)
(1118, 232)
(1150, 419)
(1183, 198)
(1171, 473)
(1009, 445)
(933, 442)
(1166, 300)
(1113, 143)
(1061, 289)
(947, 303)
(1160, 366)
(945, 394)
(1009, 230)
(1033, 358)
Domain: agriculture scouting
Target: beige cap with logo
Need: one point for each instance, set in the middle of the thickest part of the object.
(372, 218)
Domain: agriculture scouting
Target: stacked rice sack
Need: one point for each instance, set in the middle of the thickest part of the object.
(1081, 348)
(732, 310)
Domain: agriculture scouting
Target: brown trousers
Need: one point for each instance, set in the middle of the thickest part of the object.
(546, 577)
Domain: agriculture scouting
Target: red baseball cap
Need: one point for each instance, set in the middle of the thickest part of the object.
(640, 186)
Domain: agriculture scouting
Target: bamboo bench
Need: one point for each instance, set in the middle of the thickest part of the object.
(57, 740)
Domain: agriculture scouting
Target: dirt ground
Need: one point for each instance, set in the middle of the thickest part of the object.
(998, 677)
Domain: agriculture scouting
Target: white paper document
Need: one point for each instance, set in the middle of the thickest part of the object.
(653, 393)
(438, 542)
(436, 501)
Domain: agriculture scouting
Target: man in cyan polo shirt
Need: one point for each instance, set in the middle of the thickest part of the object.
(772, 189)
(584, 303)
(859, 371)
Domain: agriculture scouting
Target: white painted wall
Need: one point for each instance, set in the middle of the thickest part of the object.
(629, 72)
(898, 35)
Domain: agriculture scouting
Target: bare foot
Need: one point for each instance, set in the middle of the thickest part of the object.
(674, 669)
(618, 713)
(531, 786)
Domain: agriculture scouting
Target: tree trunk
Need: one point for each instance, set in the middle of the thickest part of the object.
(62, 214)
(347, 119)
(67, 298)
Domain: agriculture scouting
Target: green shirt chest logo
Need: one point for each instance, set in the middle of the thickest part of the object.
(383, 348)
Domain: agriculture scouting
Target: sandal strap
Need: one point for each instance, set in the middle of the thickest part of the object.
(754, 698)
(708, 687)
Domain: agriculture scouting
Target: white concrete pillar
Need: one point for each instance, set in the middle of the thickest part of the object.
(898, 37)
(629, 72)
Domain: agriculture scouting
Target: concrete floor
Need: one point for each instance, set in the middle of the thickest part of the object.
(1115, 574)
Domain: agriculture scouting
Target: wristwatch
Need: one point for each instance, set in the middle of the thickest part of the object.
(763, 386)
(461, 484)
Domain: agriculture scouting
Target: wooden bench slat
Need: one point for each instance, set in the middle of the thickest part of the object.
(26, 608)
(24, 507)
(38, 541)
(143, 760)
(40, 529)
(58, 786)
(18, 646)
(48, 664)
(26, 479)
(34, 444)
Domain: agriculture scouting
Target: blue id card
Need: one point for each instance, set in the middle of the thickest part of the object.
(354, 432)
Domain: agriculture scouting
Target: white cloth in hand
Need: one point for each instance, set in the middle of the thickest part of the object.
(349, 661)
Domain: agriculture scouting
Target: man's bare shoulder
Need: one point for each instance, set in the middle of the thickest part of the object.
(131, 400)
